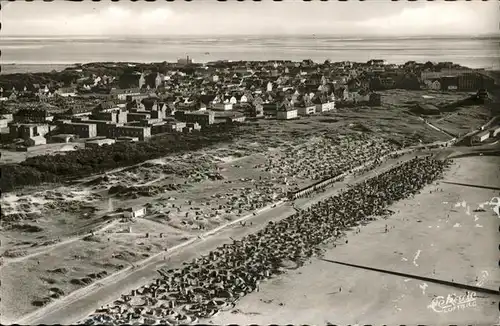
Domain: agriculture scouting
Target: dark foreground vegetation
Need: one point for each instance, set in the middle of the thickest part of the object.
(85, 162)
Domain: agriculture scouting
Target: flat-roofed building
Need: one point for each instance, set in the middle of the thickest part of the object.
(83, 130)
(140, 132)
(138, 116)
(222, 106)
(287, 114)
(229, 116)
(4, 123)
(28, 130)
(175, 125)
(35, 141)
(306, 110)
(32, 115)
(124, 94)
(102, 125)
(204, 118)
(481, 136)
(116, 116)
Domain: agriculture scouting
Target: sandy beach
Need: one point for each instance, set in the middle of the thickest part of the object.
(437, 234)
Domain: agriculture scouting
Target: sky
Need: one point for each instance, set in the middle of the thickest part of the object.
(209, 17)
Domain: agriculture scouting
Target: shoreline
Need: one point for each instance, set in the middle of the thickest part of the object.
(47, 67)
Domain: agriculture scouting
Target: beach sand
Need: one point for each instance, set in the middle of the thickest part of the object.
(435, 235)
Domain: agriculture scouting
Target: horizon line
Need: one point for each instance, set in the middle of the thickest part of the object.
(489, 34)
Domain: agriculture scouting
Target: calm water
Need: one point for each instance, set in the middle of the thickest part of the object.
(33, 53)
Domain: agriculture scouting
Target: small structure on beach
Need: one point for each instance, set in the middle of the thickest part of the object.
(135, 211)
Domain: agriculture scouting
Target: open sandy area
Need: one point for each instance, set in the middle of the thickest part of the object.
(442, 233)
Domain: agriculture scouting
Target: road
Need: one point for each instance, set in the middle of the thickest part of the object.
(81, 303)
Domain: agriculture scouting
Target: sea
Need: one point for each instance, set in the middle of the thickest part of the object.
(39, 54)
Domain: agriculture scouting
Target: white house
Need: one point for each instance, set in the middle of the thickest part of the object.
(325, 107)
(287, 115)
(269, 86)
(66, 92)
(135, 211)
(158, 80)
(142, 81)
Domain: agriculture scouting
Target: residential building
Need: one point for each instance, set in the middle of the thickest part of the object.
(325, 107)
(102, 126)
(26, 131)
(4, 123)
(115, 116)
(132, 131)
(376, 62)
(306, 110)
(191, 126)
(287, 115)
(66, 92)
(173, 125)
(142, 81)
(32, 115)
(449, 83)
(135, 211)
(138, 116)
(481, 136)
(8, 116)
(83, 130)
(271, 109)
(425, 75)
(472, 81)
(123, 94)
(222, 106)
(228, 117)
(35, 141)
(204, 118)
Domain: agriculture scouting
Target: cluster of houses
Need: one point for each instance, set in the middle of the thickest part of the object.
(144, 100)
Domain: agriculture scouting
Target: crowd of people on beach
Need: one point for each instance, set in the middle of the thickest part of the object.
(214, 282)
(321, 157)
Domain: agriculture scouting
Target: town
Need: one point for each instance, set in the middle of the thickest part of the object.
(104, 103)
